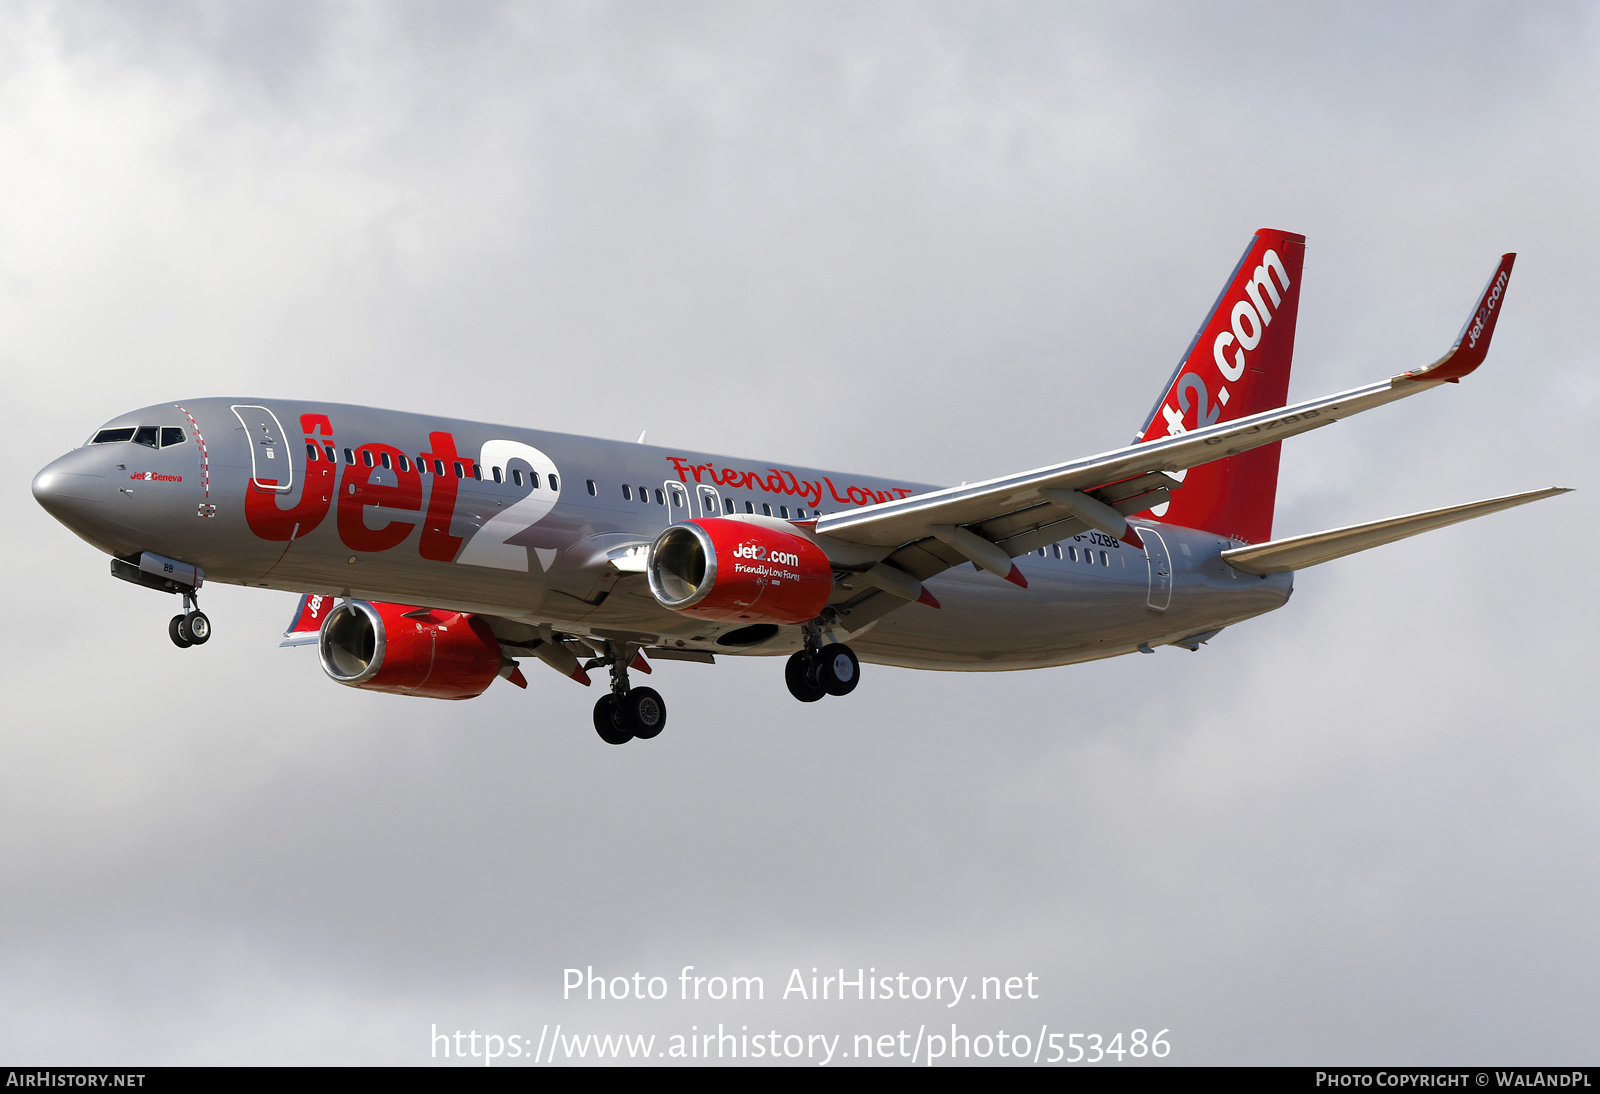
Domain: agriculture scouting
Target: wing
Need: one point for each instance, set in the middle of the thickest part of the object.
(990, 522)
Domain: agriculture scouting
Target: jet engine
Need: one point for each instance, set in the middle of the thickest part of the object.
(408, 651)
(738, 571)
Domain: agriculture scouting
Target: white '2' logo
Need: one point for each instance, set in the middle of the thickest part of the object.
(488, 546)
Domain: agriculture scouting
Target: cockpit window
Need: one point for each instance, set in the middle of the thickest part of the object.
(151, 436)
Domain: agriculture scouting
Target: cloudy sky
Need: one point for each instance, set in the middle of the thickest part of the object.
(932, 241)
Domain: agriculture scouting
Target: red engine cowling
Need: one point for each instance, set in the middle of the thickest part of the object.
(736, 571)
(408, 651)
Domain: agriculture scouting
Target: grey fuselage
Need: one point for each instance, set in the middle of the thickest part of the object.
(543, 555)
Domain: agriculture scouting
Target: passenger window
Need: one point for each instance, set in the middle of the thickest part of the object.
(799, 514)
(660, 498)
(516, 476)
(327, 450)
(627, 492)
(554, 485)
(494, 473)
(766, 509)
(438, 467)
(749, 506)
(1056, 548)
(783, 511)
(477, 472)
(1041, 552)
(533, 477)
(594, 491)
(349, 456)
(145, 435)
(171, 435)
(1072, 554)
(677, 498)
(1105, 559)
(112, 436)
(311, 453)
(366, 456)
(727, 505)
(644, 494)
(460, 474)
(384, 458)
(405, 464)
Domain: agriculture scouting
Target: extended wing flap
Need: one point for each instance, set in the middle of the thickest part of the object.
(1298, 552)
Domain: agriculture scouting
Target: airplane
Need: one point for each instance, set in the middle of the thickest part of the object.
(431, 555)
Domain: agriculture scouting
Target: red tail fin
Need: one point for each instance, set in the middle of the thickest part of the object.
(1237, 365)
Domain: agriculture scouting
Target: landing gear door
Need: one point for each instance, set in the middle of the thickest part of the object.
(710, 503)
(677, 502)
(1155, 549)
(271, 463)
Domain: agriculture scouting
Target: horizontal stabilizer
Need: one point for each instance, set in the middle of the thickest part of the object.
(1298, 552)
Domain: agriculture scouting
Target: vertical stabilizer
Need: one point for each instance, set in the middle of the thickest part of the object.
(1237, 365)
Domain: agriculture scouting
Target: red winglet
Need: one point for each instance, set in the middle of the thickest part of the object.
(516, 677)
(1016, 578)
(928, 598)
(1472, 345)
(640, 663)
(1131, 538)
(580, 676)
(309, 614)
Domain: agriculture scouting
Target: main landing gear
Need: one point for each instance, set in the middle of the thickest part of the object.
(627, 712)
(191, 628)
(819, 669)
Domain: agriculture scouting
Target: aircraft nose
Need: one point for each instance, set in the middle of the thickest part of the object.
(71, 488)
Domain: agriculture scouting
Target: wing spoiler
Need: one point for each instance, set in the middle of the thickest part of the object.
(1298, 552)
(893, 523)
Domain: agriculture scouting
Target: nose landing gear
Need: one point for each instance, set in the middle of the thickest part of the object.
(191, 628)
(627, 712)
(168, 575)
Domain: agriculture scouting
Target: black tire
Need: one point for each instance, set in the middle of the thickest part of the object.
(197, 627)
(176, 632)
(802, 684)
(838, 671)
(607, 724)
(644, 712)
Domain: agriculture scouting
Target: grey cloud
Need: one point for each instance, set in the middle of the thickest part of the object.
(935, 240)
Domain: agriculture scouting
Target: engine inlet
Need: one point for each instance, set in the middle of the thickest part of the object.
(351, 644)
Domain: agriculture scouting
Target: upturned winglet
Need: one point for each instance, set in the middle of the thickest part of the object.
(1472, 345)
